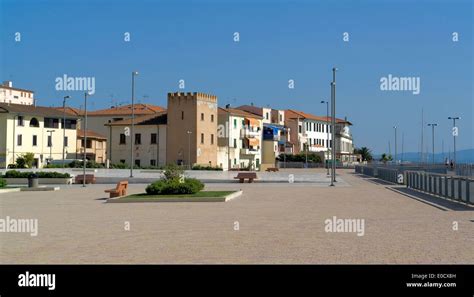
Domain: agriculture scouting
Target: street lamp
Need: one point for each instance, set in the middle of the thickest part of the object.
(132, 135)
(333, 129)
(189, 148)
(85, 141)
(433, 125)
(395, 157)
(327, 132)
(454, 135)
(64, 125)
(50, 142)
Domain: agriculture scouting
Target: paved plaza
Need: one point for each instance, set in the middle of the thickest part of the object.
(269, 223)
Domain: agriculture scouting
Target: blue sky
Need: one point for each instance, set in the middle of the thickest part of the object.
(279, 41)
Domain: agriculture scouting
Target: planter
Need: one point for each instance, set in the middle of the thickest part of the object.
(41, 181)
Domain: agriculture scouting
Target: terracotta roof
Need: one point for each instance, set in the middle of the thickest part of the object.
(90, 134)
(140, 109)
(238, 112)
(71, 110)
(253, 109)
(294, 114)
(151, 119)
(32, 110)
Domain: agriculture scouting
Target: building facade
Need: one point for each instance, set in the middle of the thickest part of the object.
(9, 94)
(192, 129)
(95, 146)
(239, 139)
(37, 130)
(149, 141)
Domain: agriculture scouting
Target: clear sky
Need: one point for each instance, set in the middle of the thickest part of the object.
(279, 41)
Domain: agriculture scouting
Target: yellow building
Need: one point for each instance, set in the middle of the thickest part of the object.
(37, 130)
(95, 146)
(191, 129)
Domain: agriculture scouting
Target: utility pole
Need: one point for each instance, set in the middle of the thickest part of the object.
(132, 133)
(395, 157)
(327, 134)
(85, 142)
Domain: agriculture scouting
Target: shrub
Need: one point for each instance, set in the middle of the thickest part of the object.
(201, 167)
(3, 183)
(174, 186)
(173, 172)
(25, 160)
(41, 174)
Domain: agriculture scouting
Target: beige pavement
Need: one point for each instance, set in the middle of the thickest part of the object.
(279, 223)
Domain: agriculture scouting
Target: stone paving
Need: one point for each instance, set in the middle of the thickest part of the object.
(277, 223)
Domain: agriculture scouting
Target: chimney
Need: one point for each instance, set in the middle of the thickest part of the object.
(8, 83)
(227, 106)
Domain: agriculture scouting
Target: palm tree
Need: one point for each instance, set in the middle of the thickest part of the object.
(365, 153)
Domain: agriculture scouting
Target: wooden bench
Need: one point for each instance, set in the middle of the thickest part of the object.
(272, 169)
(120, 189)
(242, 176)
(90, 179)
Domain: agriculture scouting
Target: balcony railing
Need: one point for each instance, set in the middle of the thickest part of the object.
(247, 151)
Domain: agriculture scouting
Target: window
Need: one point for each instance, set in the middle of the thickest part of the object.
(20, 121)
(34, 122)
(153, 162)
(235, 123)
(122, 161)
(69, 124)
(88, 144)
(153, 138)
(281, 118)
(50, 141)
(202, 138)
(212, 118)
(266, 115)
(35, 140)
(182, 115)
(65, 141)
(51, 123)
(137, 162)
(123, 139)
(235, 143)
(202, 117)
(212, 138)
(299, 128)
(138, 138)
(19, 139)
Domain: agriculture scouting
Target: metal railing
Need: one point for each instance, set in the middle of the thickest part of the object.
(465, 169)
(451, 187)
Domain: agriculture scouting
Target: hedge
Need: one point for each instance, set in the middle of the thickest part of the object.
(40, 174)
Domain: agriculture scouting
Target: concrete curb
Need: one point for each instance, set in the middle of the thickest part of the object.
(2, 191)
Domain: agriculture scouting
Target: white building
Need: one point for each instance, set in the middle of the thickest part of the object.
(37, 130)
(9, 94)
(239, 139)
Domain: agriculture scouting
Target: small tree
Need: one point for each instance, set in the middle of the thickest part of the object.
(365, 153)
(25, 160)
(173, 172)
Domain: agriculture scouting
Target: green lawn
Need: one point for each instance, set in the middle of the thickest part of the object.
(209, 194)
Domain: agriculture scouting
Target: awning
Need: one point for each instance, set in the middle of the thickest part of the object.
(253, 122)
(253, 142)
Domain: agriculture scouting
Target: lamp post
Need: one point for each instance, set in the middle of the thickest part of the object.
(395, 156)
(50, 142)
(189, 148)
(433, 125)
(454, 136)
(333, 128)
(327, 132)
(85, 141)
(132, 133)
(64, 125)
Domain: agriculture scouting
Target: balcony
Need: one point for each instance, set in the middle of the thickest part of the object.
(245, 132)
(247, 151)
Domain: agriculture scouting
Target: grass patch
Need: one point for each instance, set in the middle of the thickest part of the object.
(199, 196)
